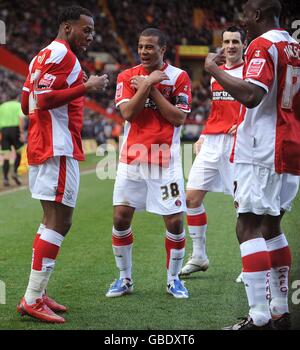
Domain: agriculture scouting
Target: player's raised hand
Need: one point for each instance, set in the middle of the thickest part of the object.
(85, 77)
(157, 76)
(232, 130)
(136, 81)
(214, 59)
(198, 144)
(97, 83)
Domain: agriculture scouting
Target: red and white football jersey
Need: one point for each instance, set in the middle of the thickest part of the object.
(225, 109)
(150, 130)
(269, 135)
(57, 131)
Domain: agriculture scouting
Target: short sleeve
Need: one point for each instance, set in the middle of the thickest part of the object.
(259, 66)
(182, 95)
(124, 92)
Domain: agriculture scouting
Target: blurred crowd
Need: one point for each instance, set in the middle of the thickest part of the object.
(31, 26)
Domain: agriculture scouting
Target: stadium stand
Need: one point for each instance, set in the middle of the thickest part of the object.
(30, 26)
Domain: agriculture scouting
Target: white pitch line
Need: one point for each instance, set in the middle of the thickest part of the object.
(22, 188)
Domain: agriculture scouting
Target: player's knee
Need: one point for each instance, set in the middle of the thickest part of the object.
(193, 200)
(175, 224)
(121, 221)
(65, 227)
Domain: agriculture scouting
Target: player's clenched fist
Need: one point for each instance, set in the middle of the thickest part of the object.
(97, 83)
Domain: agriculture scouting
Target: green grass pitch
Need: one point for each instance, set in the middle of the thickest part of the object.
(85, 267)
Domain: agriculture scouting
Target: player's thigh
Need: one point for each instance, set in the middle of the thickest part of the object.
(289, 190)
(166, 196)
(56, 180)
(129, 189)
(226, 171)
(257, 190)
(204, 174)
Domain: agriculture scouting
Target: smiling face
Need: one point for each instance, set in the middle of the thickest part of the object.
(232, 43)
(80, 33)
(150, 53)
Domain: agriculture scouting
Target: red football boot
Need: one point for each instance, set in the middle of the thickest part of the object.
(53, 305)
(40, 311)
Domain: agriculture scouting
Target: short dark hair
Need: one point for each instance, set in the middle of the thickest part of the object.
(162, 39)
(72, 13)
(234, 29)
(271, 8)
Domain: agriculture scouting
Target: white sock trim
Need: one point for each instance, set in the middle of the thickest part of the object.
(196, 211)
(277, 242)
(253, 246)
(121, 233)
(175, 238)
(41, 228)
(52, 236)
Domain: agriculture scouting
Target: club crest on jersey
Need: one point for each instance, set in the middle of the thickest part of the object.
(41, 58)
(119, 90)
(166, 91)
(257, 53)
(46, 81)
(255, 67)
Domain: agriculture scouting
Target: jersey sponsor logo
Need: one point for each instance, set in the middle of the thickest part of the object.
(255, 67)
(119, 90)
(46, 81)
(221, 96)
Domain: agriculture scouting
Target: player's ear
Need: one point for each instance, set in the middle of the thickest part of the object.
(67, 27)
(257, 15)
(163, 49)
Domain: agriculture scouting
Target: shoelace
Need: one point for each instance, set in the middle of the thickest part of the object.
(244, 320)
(40, 306)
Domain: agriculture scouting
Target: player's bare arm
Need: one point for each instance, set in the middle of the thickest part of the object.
(174, 115)
(132, 108)
(142, 85)
(171, 113)
(250, 95)
(58, 98)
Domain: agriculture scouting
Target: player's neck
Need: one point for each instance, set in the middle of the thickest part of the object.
(158, 67)
(61, 36)
(269, 25)
(230, 64)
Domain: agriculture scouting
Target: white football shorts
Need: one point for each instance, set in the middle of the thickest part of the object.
(150, 187)
(55, 180)
(262, 191)
(212, 170)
